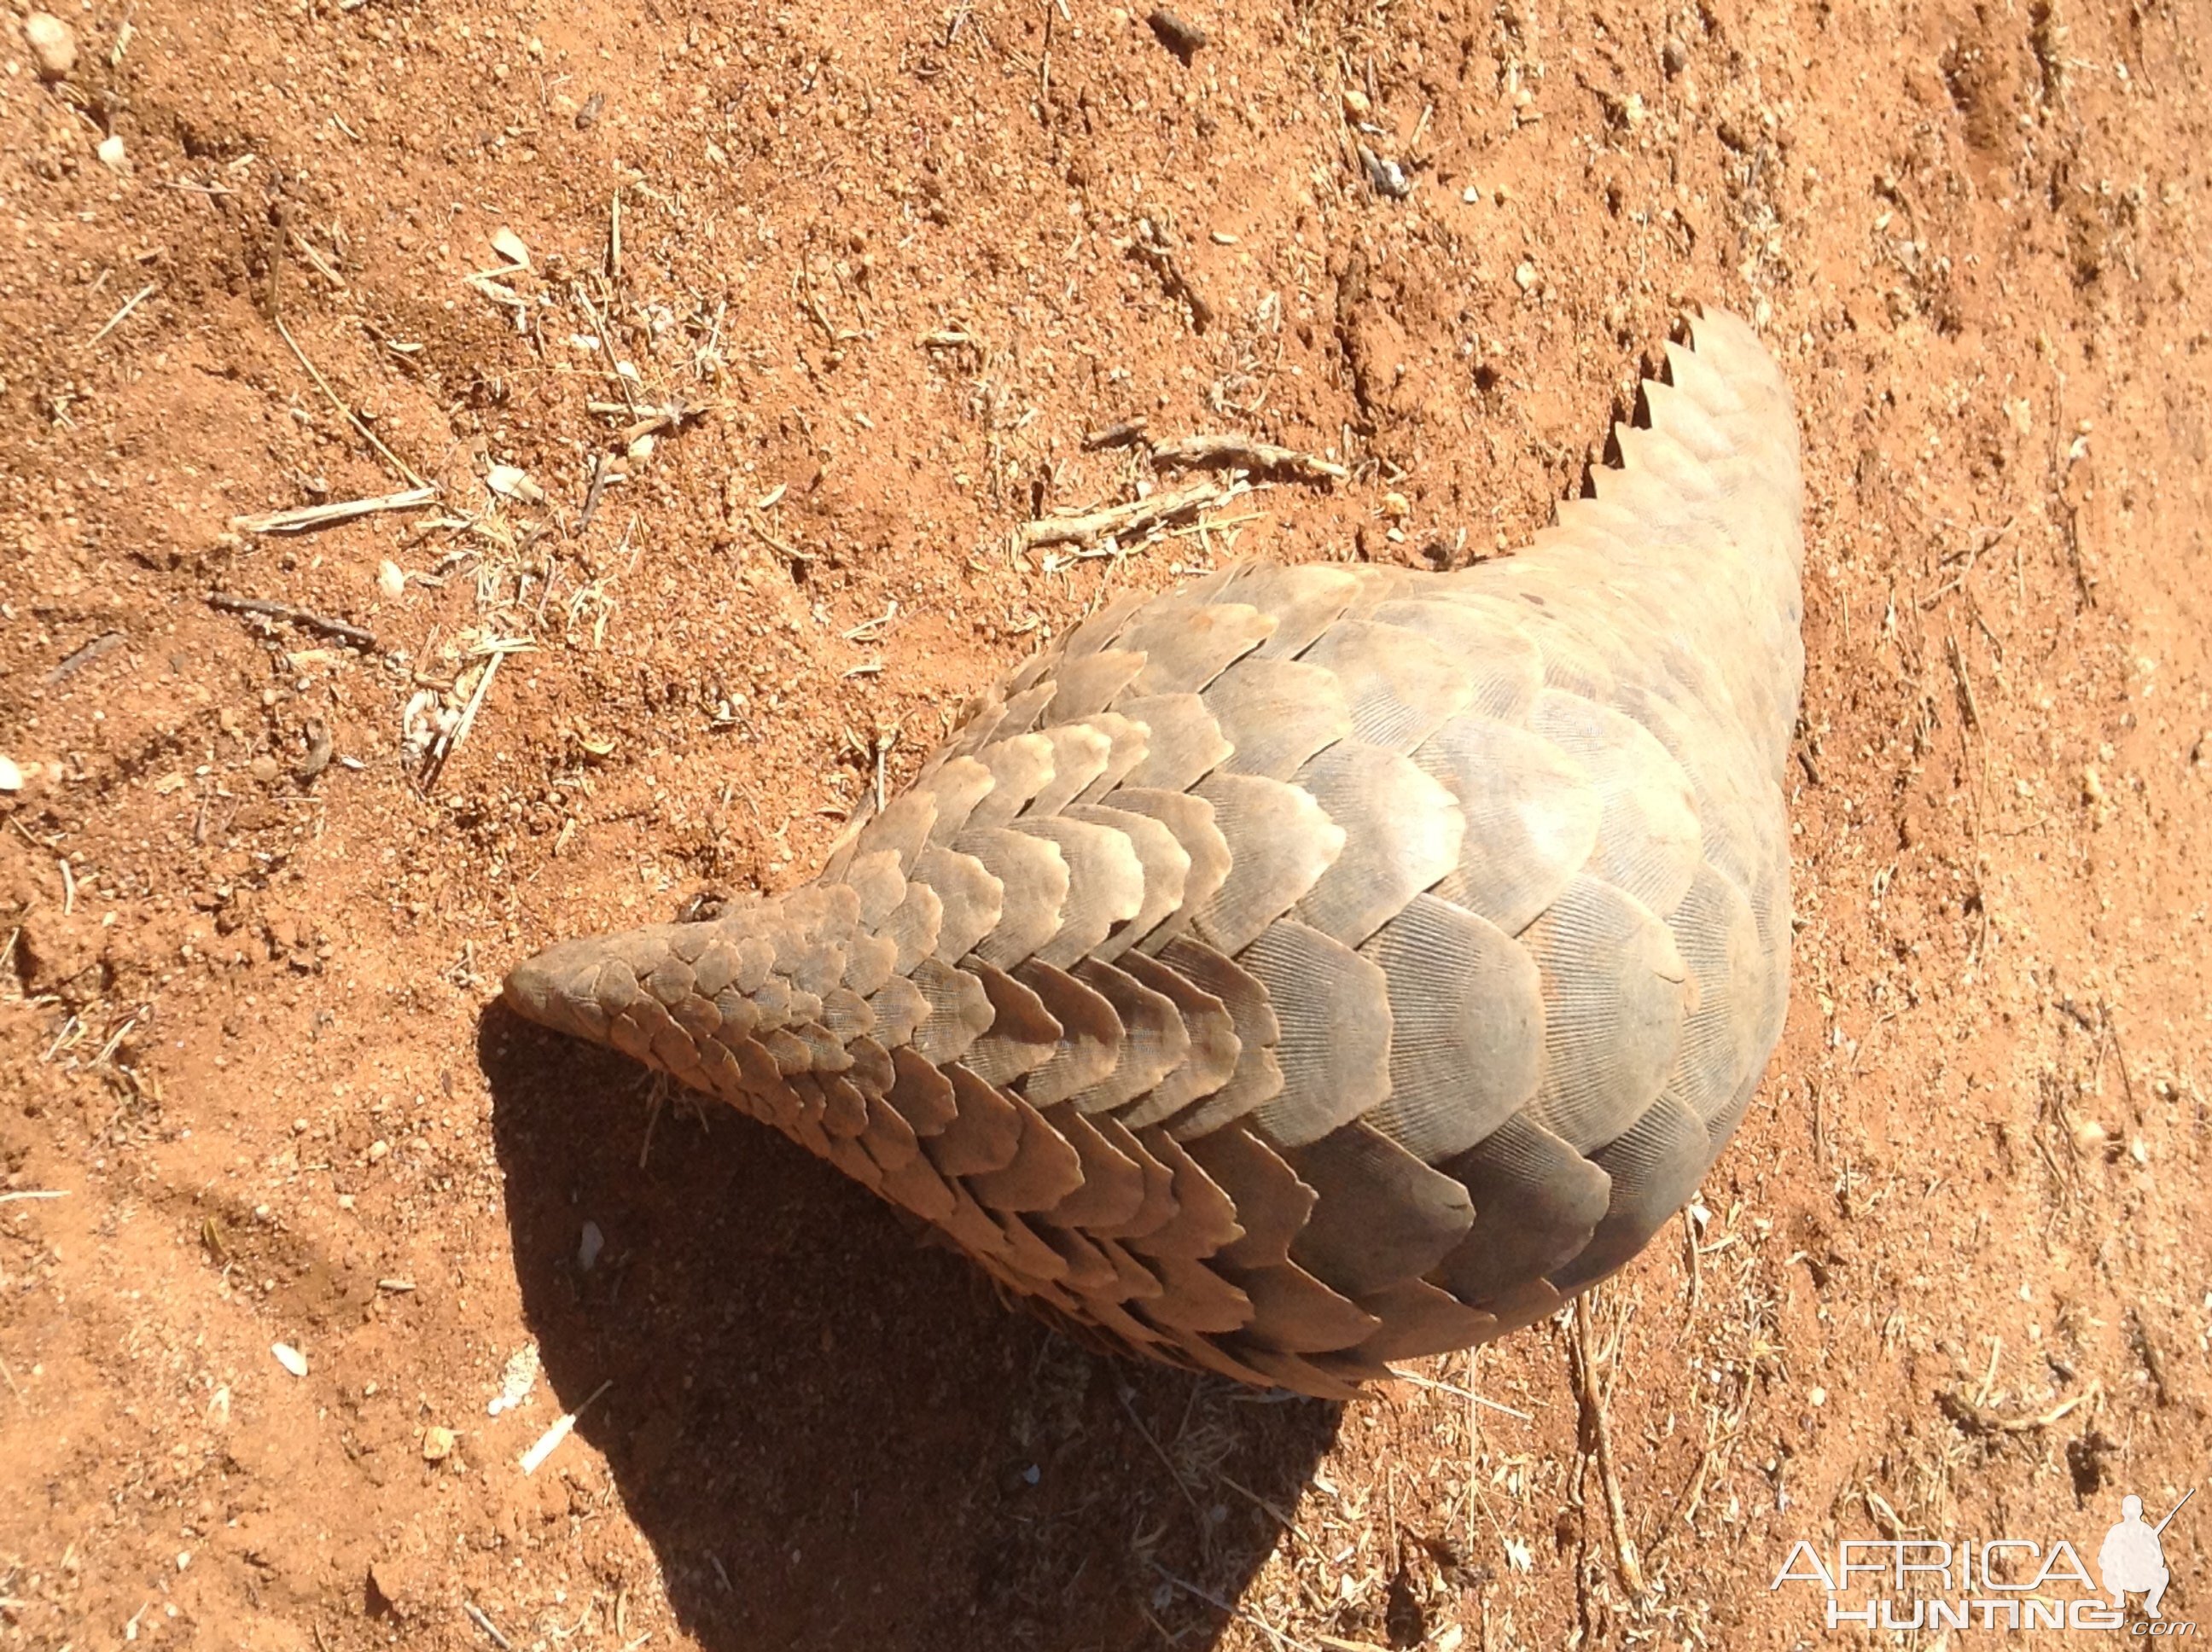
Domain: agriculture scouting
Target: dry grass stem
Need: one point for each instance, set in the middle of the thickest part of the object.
(117, 319)
(307, 518)
(406, 471)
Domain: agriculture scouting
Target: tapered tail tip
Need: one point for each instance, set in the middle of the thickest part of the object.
(554, 988)
(581, 987)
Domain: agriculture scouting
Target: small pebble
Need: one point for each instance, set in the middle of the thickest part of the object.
(513, 483)
(1674, 57)
(590, 112)
(52, 43)
(110, 153)
(1524, 277)
(1356, 105)
(1387, 177)
(11, 778)
(378, 1150)
(1178, 35)
(264, 769)
(390, 581)
(289, 1357)
(1395, 507)
(437, 1444)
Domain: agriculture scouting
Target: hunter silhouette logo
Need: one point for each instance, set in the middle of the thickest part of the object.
(2131, 1561)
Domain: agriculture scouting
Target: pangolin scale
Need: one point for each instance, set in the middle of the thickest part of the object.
(1318, 966)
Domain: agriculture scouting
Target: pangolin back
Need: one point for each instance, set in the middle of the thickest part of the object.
(1318, 966)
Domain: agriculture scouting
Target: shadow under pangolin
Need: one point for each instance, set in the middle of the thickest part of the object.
(836, 1436)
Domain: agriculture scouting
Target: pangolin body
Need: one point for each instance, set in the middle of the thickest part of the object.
(1318, 966)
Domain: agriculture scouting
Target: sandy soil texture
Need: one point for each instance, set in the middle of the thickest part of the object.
(713, 354)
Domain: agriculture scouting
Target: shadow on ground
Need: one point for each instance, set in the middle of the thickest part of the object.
(835, 1436)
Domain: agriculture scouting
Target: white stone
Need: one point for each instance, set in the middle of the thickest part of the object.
(52, 43)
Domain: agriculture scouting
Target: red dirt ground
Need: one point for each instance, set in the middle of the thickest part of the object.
(1951, 1281)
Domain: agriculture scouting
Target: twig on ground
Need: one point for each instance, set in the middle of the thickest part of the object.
(1153, 246)
(1419, 1382)
(406, 471)
(443, 752)
(954, 338)
(1219, 1604)
(488, 1626)
(838, 336)
(672, 415)
(284, 610)
(1289, 1526)
(105, 643)
(1203, 452)
(1990, 1376)
(1135, 516)
(790, 553)
(563, 1425)
(116, 320)
(2073, 552)
(604, 469)
(1684, 1509)
(33, 1192)
(1990, 537)
(882, 744)
(1178, 35)
(606, 347)
(1973, 1418)
(306, 517)
(1146, 1434)
(1127, 433)
(322, 266)
(652, 1116)
(317, 757)
(1585, 1349)
(1968, 707)
(2147, 1349)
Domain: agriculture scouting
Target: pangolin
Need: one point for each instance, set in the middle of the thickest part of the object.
(1317, 966)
